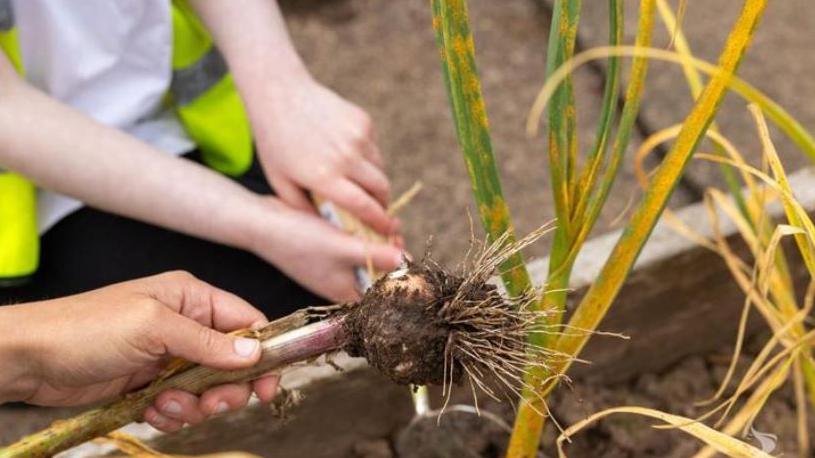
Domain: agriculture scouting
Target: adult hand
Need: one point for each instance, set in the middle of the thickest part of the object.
(310, 139)
(100, 344)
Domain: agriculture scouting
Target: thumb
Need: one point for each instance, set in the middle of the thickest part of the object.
(186, 338)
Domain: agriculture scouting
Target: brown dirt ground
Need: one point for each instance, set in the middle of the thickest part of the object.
(674, 390)
(625, 436)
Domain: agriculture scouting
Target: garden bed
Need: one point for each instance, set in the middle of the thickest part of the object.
(679, 310)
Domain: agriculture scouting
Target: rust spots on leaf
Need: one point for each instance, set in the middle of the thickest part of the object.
(473, 178)
(497, 216)
(479, 113)
(460, 48)
(518, 276)
(458, 10)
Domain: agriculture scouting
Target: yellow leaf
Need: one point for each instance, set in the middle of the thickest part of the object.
(721, 442)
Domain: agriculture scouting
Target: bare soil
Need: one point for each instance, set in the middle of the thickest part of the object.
(625, 436)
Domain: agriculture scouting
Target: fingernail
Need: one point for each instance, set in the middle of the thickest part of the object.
(221, 407)
(245, 348)
(159, 420)
(172, 407)
(397, 260)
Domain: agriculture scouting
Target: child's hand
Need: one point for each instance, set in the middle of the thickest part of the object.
(310, 139)
(316, 254)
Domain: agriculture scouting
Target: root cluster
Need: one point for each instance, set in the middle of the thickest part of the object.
(423, 325)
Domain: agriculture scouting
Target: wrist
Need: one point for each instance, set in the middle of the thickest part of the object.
(261, 224)
(268, 92)
(265, 74)
(18, 357)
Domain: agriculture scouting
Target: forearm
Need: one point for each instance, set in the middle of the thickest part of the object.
(62, 150)
(253, 38)
(16, 358)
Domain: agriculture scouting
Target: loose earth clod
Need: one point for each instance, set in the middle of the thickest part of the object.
(398, 326)
(422, 325)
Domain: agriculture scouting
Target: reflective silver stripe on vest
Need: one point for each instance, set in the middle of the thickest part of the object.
(191, 82)
(6, 16)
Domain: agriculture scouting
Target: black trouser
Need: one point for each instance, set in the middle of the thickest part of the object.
(91, 248)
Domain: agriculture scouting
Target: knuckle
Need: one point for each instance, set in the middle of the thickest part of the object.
(347, 155)
(366, 124)
(361, 139)
(142, 325)
(207, 339)
(385, 186)
(178, 276)
(150, 311)
(361, 203)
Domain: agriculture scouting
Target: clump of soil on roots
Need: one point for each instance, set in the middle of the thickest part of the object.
(425, 326)
(399, 326)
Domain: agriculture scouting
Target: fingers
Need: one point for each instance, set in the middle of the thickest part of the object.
(372, 153)
(373, 180)
(188, 339)
(225, 398)
(180, 406)
(204, 303)
(174, 408)
(382, 257)
(291, 194)
(266, 388)
(160, 422)
(353, 198)
(341, 287)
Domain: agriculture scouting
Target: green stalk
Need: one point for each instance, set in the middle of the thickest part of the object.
(562, 162)
(694, 81)
(628, 119)
(455, 43)
(607, 111)
(562, 115)
(560, 264)
(529, 420)
(604, 290)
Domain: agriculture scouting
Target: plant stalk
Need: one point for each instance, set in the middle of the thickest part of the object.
(609, 282)
(285, 341)
(457, 52)
(596, 182)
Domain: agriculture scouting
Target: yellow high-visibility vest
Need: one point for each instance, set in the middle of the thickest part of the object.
(204, 97)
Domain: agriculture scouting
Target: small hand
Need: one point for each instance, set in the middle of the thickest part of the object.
(310, 139)
(316, 254)
(100, 344)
